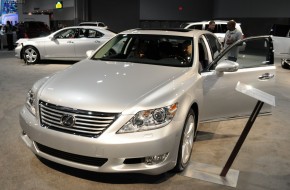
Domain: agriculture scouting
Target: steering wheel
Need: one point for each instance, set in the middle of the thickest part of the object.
(179, 58)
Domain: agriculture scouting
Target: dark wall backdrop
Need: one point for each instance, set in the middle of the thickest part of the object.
(118, 15)
(176, 10)
(256, 16)
(252, 8)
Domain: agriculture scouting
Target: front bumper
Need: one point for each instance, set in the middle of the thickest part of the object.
(18, 51)
(116, 149)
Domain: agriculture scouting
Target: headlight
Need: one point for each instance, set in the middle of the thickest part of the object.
(150, 119)
(30, 102)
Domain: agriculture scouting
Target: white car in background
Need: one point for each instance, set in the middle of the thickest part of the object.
(70, 43)
(134, 105)
(220, 27)
(281, 39)
(98, 24)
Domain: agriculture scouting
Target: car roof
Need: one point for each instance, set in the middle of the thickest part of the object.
(92, 23)
(101, 29)
(216, 21)
(92, 27)
(171, 32)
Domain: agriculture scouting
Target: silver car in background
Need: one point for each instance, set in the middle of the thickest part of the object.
(220, 27)
(98, 24)
(70, 43)
(134, 105)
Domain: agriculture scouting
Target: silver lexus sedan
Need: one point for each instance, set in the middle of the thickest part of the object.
(134, 104)
(70, 43)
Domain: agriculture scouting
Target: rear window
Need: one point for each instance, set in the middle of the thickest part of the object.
(101, 24)
(88, 24)
(183, 25)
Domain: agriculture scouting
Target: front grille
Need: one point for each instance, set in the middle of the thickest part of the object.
(72, 157)
(83, 122)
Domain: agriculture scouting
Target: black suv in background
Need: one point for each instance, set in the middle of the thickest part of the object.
(280, 30)
(32, 29)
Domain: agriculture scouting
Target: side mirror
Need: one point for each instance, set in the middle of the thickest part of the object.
(226, 66)
(89, 53)
(52, 38)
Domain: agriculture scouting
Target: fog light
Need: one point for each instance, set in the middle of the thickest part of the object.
(151, 160)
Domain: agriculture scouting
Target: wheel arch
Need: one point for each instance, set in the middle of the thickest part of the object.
(195, 109)
(24, 47)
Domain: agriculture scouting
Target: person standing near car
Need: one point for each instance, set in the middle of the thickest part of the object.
(20, 30)
(211, 26)
(9, 35)
(232, 35)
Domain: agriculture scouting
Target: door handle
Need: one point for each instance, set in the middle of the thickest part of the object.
(70, 42)
(97, 41)
(266, 76)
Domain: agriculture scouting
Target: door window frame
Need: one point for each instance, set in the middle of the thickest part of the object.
(213, 64)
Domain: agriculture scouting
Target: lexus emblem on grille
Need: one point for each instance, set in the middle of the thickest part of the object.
(67, 120)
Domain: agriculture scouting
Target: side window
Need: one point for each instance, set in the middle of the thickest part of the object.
(223, 28)
(94, 34)
(198, 26)
(69, 33)
(214, 44)
(218, 28)
(202, 54)
(82, 33)
(257, 53)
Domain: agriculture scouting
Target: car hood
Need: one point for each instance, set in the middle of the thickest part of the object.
(106, 86)
(22, 40)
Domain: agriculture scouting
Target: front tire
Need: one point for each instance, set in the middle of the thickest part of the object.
(186, 141)
(284, 64)
(31, 55)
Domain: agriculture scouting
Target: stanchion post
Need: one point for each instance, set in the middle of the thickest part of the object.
(242, 138)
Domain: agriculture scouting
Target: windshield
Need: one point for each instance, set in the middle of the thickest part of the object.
(164, 50)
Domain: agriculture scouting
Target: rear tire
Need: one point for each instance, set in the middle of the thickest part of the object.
(31, 55)
(186, 141)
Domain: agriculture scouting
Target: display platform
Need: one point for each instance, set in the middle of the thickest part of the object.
(211, 173)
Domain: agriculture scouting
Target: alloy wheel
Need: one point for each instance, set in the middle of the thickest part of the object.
(31, 55)
(188, 139)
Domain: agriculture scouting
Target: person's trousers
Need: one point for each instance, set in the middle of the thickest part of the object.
(10, 41)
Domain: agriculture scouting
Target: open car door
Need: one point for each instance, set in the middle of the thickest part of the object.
(254, 66)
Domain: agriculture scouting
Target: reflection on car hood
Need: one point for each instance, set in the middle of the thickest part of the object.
(21, 40)
(105, 86)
